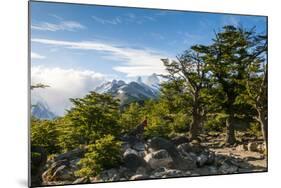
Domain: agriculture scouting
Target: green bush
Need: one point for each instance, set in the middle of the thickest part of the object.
(215, 122)
(131, 117)
(92, 117)
(44, 133)
(104, 154)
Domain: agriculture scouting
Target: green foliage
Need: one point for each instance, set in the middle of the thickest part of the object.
(255, 129)
(131, 116)
(45, 134)
(104, 154)
(215, 122)
(92, 117)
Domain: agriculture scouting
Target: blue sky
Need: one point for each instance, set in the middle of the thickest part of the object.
(97, 43)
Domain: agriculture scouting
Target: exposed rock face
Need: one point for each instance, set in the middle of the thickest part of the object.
(179, 140)
(73, 154)
(132, 160)
(160, 158)
(62, 167)
(158, 143)
(157, 158)
(139, 177)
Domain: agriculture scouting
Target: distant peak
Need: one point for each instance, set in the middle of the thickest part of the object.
(139, 79)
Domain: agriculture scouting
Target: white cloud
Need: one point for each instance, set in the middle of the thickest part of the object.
(141, 62)
(62, 25)
(113, 21)
(37, 56)
(64, 84)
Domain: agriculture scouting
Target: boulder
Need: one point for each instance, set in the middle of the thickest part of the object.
(253, 146)
(139, 146)
(261, 148)
(139, 177)
(81, 180)
(241, 147)
(179, 140)
(201, 160)
(226, 168)
(73, 154)
(165, 172)
(160, 158)
(110, 175)
(132, 160)
(179, 162)
(62, 173)
(48, 175)
(191, 148)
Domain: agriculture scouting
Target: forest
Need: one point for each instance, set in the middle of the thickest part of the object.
(210, 91)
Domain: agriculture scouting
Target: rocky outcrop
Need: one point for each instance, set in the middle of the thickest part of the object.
(160, 158)
(132, 159)
(155, 158)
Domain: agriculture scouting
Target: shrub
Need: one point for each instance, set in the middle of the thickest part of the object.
(44, 133)
(131, 117)
(104, 154)
(92, 117)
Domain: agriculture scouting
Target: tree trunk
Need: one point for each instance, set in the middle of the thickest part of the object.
(194, 130)
(195, 125)
(262, 117)
(230, 131)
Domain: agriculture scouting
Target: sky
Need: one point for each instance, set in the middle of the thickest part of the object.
(75, 48)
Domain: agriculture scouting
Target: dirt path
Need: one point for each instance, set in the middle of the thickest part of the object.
(254, 158)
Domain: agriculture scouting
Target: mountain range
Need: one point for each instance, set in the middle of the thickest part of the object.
(134, 91)
(138, 91)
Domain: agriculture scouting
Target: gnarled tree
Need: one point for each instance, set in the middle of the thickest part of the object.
(189, 72)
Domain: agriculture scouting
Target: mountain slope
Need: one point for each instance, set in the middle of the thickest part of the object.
(41, 111)
(133, 91)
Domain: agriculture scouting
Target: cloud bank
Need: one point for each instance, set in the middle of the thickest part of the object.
(141, 62)
(64, 84)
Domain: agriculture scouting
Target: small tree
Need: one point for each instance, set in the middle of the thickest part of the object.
(93, 116)
(104, 154)
(131, 117)
(44, 134)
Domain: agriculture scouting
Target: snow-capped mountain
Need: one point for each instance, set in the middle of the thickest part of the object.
(41, 110)
(132, 91)
(153, 81)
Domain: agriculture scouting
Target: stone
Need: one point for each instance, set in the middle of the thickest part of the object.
(141, 170)
(165, 172)
(63, 173)
(179, 140)
(158, 143)
(157, 159)
(73, 154)
(191, 147)
(139, 177)
(48, 175)
(253, 146)
(228, 169)
(132, 160)
(81, 180)
(261, 148)
(201, 160)
(141, 154)
(241, 147)
(139, 146)
(110, 175)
